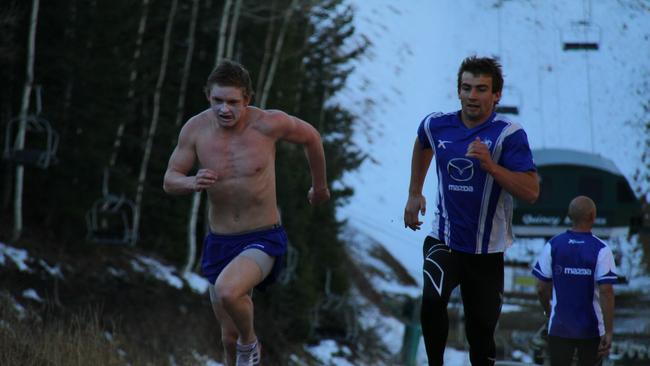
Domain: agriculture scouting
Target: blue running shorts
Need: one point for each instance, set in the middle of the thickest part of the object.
(221, 249)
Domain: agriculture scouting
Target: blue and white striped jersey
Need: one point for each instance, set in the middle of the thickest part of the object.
(473, 213)
(577, 263)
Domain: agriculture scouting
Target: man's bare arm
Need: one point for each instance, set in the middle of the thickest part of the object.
(181, 161)
(523, 185)
(416, 203)
(606, 292)
(297, 131)
(544, 294)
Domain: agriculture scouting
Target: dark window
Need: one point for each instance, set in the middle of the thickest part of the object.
(580, 46)
(507, 109)
(591, 186)
(545, 189)
(623, 192)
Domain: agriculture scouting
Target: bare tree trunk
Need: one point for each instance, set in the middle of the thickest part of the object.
(180, 111)
(187, 65)
(20, 138)
(154, 119)
(221, 42)
(191, 232)
(298, 96)
(276, 53)
(196, 199)
(70, 35)
(132, 77)
(268, 44)
(233, 29)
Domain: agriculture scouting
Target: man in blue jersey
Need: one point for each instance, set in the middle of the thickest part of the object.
(575, 272)
(482, 160)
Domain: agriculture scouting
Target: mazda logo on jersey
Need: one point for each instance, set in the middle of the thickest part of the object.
(460, 169)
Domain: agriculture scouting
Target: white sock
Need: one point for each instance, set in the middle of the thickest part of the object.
(246, 347)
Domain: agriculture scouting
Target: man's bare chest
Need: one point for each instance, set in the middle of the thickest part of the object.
(236, 157)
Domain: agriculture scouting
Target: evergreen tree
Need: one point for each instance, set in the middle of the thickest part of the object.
(97, 73)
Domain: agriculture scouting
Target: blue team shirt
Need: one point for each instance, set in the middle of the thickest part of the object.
(576, 263)
(473, 213)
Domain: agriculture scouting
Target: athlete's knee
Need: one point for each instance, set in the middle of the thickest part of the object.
(227, 294)
(432, 299)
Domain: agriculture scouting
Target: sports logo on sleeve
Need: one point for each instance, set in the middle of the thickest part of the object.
(441, 144)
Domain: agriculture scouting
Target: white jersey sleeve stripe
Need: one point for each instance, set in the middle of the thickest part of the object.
(499, 231)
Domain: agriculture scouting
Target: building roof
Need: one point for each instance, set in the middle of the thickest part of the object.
(545, 157)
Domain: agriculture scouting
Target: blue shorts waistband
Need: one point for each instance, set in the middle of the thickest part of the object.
(252, 233)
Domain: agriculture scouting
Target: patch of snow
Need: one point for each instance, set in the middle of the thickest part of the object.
(161, 272)
(512, 308)
(392, 287)
(54, 271)
(329, 352)
(18, 256)
(157, 270)
(196, 282)
(361, 247)
(388, 328)
(136, 266)
(118, 272)
(521, 356)
(628, 255)
(204, 360)
(32, 294)
(456, 357)
(636, 284)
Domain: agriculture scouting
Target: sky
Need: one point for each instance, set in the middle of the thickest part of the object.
(580, 100)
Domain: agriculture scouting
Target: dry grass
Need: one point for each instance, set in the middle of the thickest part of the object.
(31, 341)
(77, 340)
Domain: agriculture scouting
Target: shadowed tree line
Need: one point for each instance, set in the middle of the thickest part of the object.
(117, 81)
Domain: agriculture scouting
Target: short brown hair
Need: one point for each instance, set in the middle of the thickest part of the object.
(483, 66)
(231, 73)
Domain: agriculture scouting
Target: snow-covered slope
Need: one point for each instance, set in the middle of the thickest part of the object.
(582, 100)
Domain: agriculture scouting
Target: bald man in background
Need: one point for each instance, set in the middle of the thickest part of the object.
(575, 273)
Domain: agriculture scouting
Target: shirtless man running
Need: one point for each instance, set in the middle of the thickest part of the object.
(234, 145)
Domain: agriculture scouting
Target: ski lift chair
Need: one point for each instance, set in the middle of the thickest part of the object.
(580, 36)
(334, 304)
(110, 221)
(41, 142)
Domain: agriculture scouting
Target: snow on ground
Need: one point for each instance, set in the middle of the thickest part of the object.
(165, 273)
(205, 360)
(54, 271)
(330, 353)
(586, 101)
(18, 256)
(30, 293)
(158, 270)
(196, 282)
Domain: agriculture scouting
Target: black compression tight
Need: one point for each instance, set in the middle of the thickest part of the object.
(481, 283)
